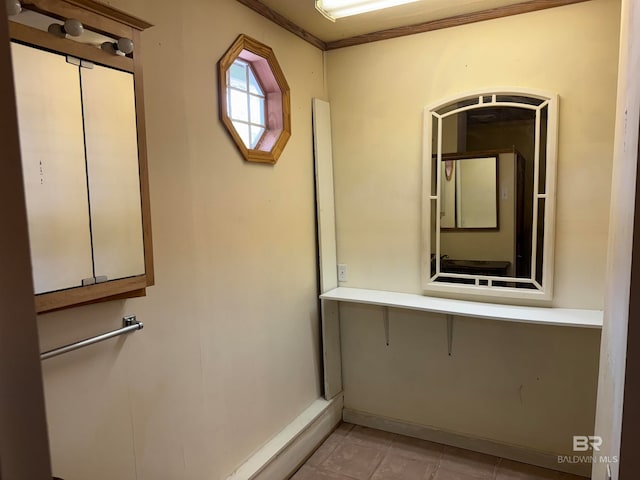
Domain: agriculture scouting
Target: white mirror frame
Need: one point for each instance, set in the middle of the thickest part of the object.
(542, 291)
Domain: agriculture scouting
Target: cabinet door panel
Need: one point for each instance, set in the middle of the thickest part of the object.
(54, 169)
(112, 162)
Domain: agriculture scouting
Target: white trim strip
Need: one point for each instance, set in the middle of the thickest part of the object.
(289, 449)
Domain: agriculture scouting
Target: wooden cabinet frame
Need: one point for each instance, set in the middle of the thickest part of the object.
(114, 23)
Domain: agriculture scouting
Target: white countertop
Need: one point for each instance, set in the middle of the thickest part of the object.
(511, 313)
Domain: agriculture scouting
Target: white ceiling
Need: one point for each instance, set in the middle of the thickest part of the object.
(304, 14)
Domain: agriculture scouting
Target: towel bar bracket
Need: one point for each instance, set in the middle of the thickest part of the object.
(131, 320)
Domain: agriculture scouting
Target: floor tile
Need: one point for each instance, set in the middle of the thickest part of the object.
(370, 437)
(396, 467)
(416, 448)
(509, 470)
(311, 473)
(444, 473)
(343, 429)
(568, 476)
(354, 460)
(361, 453)
(473, 464)
(324, 450)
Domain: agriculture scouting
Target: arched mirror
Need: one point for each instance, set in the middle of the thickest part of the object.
(489, 194)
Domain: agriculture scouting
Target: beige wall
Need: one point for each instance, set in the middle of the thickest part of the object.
(230, 350)
(377, 128)
(524, 385)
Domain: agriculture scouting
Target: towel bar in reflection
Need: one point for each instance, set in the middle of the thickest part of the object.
(129, 324)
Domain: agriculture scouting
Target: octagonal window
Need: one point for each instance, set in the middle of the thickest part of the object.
(254, 100)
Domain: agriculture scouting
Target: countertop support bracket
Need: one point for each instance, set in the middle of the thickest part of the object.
(385, 319)
(450, 333)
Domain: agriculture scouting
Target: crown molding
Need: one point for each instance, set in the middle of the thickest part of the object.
(285, 23)
(458, 20)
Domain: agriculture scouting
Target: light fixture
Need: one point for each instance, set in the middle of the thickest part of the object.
(13, 7)
(333, 9)
(71, 27)
(122, 47)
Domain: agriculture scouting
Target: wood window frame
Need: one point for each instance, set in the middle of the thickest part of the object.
(278, 99)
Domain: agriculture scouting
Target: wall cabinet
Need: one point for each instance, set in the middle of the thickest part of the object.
(81, 122)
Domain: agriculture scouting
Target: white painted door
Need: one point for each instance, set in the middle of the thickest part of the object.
(52, 148)
(109, 107)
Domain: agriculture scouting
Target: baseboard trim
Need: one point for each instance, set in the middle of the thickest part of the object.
(284, 454)
(482, 445)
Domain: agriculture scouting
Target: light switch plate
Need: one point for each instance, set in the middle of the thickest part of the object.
(342, 272)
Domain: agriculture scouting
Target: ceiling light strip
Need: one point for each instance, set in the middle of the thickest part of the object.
(334, 9)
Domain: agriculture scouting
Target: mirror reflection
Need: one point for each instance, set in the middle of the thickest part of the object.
(488, 191)
(468, 193)
(486, 236)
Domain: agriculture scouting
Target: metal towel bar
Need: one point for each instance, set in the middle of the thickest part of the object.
(129, 324)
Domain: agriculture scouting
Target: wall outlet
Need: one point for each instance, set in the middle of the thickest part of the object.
(342, 272)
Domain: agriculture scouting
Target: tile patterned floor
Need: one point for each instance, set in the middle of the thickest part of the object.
(359, 453)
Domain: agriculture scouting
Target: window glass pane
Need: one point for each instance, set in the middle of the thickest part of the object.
(519, 99)
(540, 241)
(433, 237)
(459, 104)
(542, 167)
(257, 110)
(238, 75)
(444, 278)
(239, 104)
(254, 86)
(256, 133)
(243, 131)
